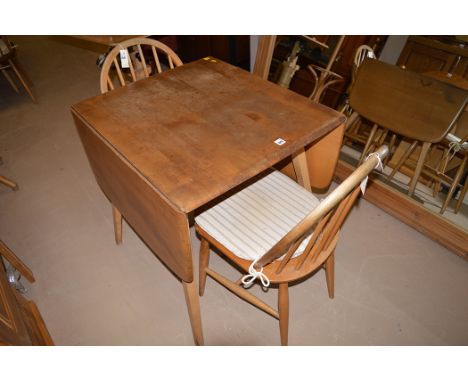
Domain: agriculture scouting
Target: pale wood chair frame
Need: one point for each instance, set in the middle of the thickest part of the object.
(111, 61)
(325, 221)
(106, 83)
(439, 177)
(9, 61)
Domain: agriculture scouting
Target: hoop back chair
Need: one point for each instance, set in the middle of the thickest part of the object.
(278, 232)
(353, 124)
(145, 57)
(8, 60)
(451, 150)
(408, 104)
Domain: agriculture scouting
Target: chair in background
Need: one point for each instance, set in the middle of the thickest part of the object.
(9, 60)
(455, 154)
(278, 232)
(408, 104)
(143, 57)
(8, 182)
(354, 126)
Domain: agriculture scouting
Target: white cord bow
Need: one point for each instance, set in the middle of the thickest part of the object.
(248, 280)
(378, 166)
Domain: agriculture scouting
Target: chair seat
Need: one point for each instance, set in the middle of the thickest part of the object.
(251, 221)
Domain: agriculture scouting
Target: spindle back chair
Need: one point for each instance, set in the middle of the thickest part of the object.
(145, 57)
(9, 60)
(307, 246)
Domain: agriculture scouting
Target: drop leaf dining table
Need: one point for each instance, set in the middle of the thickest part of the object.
(165, 146)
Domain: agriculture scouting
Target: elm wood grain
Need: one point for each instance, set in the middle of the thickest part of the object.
(140, 202)
(209, 125)
(166, 145)
(412, 213)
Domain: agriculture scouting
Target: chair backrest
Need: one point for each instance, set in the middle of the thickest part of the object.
(325, 220)
(145, 57)
(6, 49)
(362, 52)
(405, 102)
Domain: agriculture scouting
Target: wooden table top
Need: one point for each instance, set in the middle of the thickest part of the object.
(199, 130)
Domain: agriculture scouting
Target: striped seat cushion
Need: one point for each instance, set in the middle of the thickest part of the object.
(251, 221)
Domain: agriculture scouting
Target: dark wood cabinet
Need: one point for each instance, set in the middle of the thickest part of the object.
(428, 54)
(232, 49)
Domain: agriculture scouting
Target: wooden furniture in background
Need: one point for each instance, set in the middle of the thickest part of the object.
(159, 57)
(20, 320)
(426, 54)
(145, 57)
(303, 81)
(307, 245)
(9, 60)
(408, 104)
(166, 146)
(411, 212)
(8, 182)
(404, 208)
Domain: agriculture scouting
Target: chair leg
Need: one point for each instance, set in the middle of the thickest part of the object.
(203, 263)
(193, 306)
(402, 160)
(23, 82)
(370, 139)
(330, 274)
(283, 310)
(117, 216)
(10, 80)
(462, 196)
(417, 172)
(9, 183)
(454, 185)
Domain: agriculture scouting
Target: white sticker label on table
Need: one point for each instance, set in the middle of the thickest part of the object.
(280, 141)
(124, 58)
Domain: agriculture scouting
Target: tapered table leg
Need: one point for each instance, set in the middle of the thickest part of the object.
(193, 306)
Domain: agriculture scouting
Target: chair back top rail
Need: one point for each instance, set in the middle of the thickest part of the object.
(138, 67)
(405, 102)
(342, 197)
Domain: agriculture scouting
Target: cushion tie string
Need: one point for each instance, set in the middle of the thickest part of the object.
(378, 166)
(248, 280)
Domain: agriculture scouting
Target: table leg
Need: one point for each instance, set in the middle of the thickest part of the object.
(193, 306)
(299, 160)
